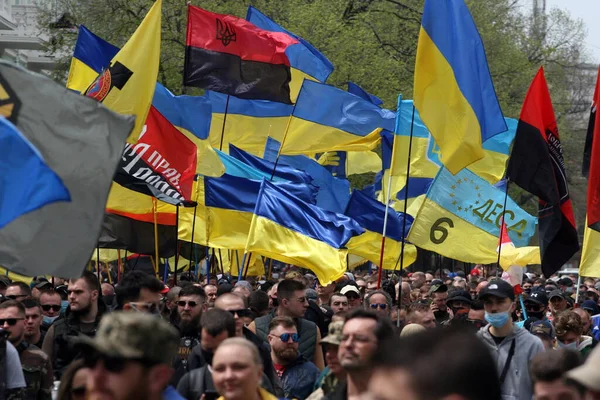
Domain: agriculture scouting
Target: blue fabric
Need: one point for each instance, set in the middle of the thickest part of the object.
(251, 108)
(339, 171)
(387, 145)
(360, 92)
(292, 213)
(192, 113)
(376, 186)
(27, 183)
(235, 167)
(416, 187)
(370, 214)
(329, 106)
(233, 193)
(283, 171)
(93, 51)
(334, 193)
(170, 393)
(298, 379)
(303, 56)
(450, 26)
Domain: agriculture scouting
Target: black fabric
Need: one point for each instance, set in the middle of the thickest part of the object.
(511, 353)
(229, 74)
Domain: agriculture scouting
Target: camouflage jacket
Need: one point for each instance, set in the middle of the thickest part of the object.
(37, 369)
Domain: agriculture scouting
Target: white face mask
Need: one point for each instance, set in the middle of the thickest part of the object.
(570, 346)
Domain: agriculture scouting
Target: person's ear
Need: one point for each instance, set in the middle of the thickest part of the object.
(159, 377)
(95, 294)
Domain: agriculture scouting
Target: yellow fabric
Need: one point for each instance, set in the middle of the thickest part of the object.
(272, 240)
(233, 258)
(296, 83)
(107, 255)
(208, 162)
(80, 76)
(15, 277)
(590, 253)
(248, 133)
(368, 245)
(264, 395)
(454, 126)
(141, 55)
(361, 162)
(306, 137)
(355, 261)
(519, 256)
(129, 203)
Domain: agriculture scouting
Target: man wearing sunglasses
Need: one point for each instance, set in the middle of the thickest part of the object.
(17, 291)
(82, 317)
(379, 302)
(234, 304)
(130, 357)
(50, 302)
(297, 374)
(37, 368)
(139, 291)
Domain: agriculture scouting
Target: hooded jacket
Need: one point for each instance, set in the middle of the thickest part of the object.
(517, 384)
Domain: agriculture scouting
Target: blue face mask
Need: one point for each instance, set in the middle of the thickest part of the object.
(497, 320)
(570, 346)
(64, 304)
(47, 321)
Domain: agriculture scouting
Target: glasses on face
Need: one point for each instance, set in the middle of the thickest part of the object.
(241, 313)
(10, 321)
(144, 307)
(16, 296)
(53, 307)
(301, 299)
(192, 303)
(111, 364)
(381, 306)
(285, 337)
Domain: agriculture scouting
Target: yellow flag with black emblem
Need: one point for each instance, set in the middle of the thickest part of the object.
(127, 86)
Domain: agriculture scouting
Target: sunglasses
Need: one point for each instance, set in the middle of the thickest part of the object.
(10, 321)
(381, 306)
(241, 313)
(53, 307)
(15, 297)
(192, 304)
(285, 337)
(111, 364)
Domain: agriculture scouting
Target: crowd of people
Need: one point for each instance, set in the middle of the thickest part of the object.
(416, 336)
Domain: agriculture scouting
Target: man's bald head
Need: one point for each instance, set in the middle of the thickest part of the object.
(107, 289)
(480, 286)
(226, 301)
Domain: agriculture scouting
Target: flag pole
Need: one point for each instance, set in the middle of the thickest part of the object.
(197, 177)
(224, 122)
(578, 285)
(155, 212)
(177, 245)
(98, 263)
(502, 226)
(287, 128)
(410, 140)
(385, 220)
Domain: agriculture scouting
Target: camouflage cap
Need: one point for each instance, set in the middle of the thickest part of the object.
(334, 335)
(134, 335)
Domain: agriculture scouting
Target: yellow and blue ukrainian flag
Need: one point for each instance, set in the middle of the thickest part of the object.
(453, 89)
(326, 118)
(370, 214)
(248, 123)
(306, 61)
(290, 230)
(461, 218)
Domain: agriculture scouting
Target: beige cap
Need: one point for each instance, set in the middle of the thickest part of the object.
(588, 374)
(134, 335)
(334, 335)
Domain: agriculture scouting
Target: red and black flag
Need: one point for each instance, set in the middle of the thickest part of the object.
(537, 165)
(592, 155)
(230, 55)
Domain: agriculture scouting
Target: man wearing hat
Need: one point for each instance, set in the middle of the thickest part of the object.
(439, 297)
(459, 300)
(333, 373)
(353, 295)
(545, 331)
(512, 347)
(125, 361)
(536, 304)
(558, 302)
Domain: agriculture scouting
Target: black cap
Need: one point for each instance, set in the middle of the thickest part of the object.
(460, 295)
(565, 282)
(538, 297)
(498, 288)
(437, 282)
(439, 288)
(556, 293)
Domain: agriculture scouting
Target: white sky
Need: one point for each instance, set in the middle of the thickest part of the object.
(589, 12)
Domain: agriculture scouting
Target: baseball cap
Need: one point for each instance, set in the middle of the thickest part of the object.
(498, 288)
(565, 282)
(590, 305)
(125, 335)
(436, 282)
(556, 293)
(543, 328)
(439, 288)
(334, 335)
(538, 297)
(5, 280)
(460, 295)
(588, 374)
(350, 288)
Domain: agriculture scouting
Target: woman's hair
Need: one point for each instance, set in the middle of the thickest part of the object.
(66, 381)
(568, 321)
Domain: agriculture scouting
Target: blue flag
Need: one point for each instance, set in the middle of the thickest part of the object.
(358, 91)
(27, 182)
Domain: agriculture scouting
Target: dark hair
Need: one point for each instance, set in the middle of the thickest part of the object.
(51, 292)
(24, 288)
(215, 321)
(90, 279)
(383, 329)
(13, 303)
(287, 287)
(470, 372)
(549, 366)
(131, 285)
(192, 291)
(388, 298)
(477, 305)
(286, 322)
(66, 381)
(31, 303)
(259, 301)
